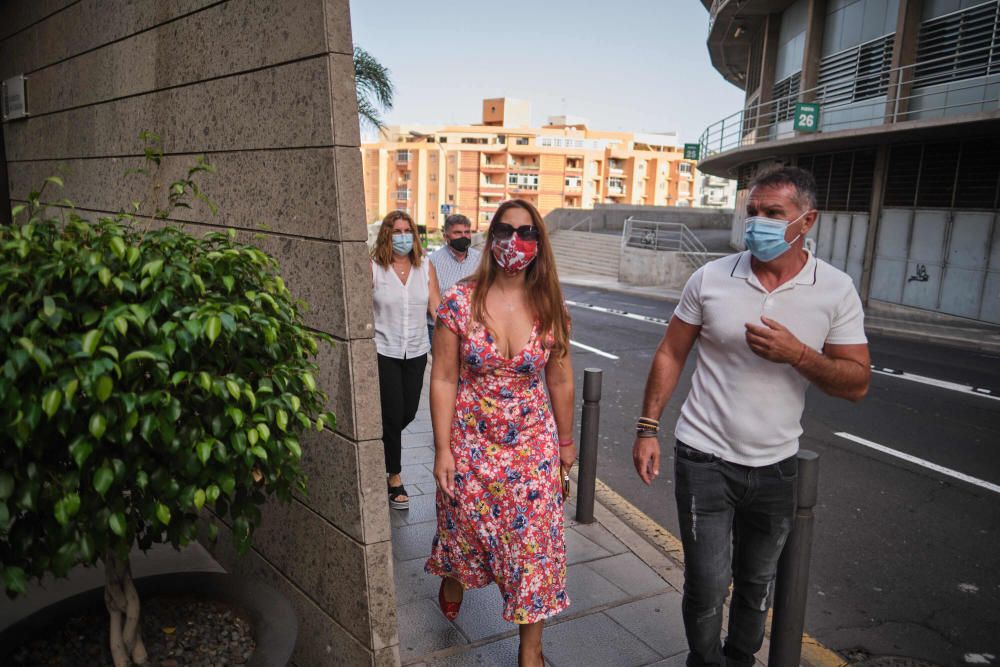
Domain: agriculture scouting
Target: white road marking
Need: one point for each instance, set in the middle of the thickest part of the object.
(979, 658)
(989, 486)
(593, 349)
(941, 384)
(619, 313)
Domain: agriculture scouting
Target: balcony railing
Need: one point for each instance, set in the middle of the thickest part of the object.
(664, 236)
(517, 166)
(914, 98)
(494, 165)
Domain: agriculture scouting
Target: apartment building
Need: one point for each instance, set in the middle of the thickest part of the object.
(470, 169)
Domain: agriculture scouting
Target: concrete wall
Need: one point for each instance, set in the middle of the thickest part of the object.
(648, 268)
(266, 91)
(611, 217)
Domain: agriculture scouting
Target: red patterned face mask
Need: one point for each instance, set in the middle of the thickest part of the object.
(514, 254)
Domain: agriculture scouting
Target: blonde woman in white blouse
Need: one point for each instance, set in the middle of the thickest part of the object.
(405, 289)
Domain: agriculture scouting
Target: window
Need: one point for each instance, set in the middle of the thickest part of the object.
(406, 175)
(684, 168)
(546, 141)
(521, 141)
(402, 156)
(442, 140)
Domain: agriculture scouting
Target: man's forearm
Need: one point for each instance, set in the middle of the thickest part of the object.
(843, 378)
(660, 384)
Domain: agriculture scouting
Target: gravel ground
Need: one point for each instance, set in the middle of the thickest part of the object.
(177, 631)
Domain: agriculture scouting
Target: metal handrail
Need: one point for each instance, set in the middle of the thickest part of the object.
(588, 220)
(664, 236)
(734, 131)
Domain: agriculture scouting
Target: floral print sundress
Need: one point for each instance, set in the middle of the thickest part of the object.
(506, 521)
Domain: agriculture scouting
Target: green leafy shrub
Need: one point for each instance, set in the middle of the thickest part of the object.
(146, 375)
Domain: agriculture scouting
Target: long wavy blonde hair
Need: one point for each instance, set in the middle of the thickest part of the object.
(382, 250)
(541, 284)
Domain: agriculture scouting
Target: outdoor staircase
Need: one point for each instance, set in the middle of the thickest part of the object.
(586, 253)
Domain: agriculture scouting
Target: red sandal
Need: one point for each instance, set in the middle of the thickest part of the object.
(449, 609)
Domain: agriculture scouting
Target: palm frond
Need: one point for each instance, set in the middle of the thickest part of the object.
(374, 87)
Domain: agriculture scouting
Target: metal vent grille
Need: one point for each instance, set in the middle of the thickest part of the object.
(961, 175)
(961, 45)
(858, 73)
(843, 180)
(786, 92)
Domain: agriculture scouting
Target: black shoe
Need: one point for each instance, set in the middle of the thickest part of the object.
(395, 493)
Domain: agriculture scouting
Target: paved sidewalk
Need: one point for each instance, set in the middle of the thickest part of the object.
(625, 611)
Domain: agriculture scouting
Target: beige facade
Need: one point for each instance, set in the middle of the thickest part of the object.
(472, 168)
(265, 90)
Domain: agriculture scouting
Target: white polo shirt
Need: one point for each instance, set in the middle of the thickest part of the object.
(742, 407)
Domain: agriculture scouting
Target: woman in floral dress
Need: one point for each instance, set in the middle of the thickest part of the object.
(500, 449)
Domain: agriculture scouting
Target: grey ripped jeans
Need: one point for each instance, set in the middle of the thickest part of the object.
(734, 521)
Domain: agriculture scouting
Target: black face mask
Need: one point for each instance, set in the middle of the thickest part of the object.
(461, 244)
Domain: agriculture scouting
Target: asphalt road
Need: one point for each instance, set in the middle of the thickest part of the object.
(906, 559)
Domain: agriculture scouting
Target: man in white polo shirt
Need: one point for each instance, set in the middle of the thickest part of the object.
(769, 322)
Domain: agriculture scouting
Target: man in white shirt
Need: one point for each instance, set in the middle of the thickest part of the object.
(768, 321)
(456, 259)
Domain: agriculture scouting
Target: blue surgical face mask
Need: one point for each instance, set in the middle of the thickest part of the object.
(402, 244)
(765, 237)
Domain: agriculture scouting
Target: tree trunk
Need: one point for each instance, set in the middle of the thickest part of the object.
(122, 601)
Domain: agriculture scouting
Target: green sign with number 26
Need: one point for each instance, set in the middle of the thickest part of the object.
(806, 117)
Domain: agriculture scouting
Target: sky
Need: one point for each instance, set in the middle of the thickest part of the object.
(624, 65)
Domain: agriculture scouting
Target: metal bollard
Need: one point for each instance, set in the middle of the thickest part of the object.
(792, 581)
(589, 428)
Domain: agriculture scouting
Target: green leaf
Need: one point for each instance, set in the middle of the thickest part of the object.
(98, 424)
(253, 436)
(51, 402)
(133, 255)
(296, 403)
(14, 579)
(121, 324)
(213, 327)
(141, 479)
(70, 389)
(205, 381)
(204, 450)
(110, 351)
(80, 450)
(103, 388)
(4, 517)
(228, 483)
(236, 415)
(66, 508)
(143, 354)
(199, 499)
(309, 381)
(6, 485)
(250, 396)
(55, 180)
(87, 547)
(118, 246)
(140, 313)
(116, 522)
(259, 452)
(152, 269)
(104, 275)
(293, 446)
(265, 432)
(212, 493)
(229, 282)
(281, 419)
(233, 388)
(90, 341)
(163, 514)
(16, 209)
(103, 478)
(48, 306)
